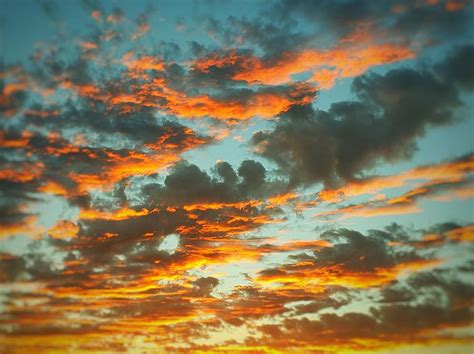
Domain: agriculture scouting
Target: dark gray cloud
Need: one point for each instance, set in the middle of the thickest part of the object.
(13, 95)
(204, 286)
(458, 67)
(137, 237)
(11, 212)
(18, 183)
(291, 25)
(188, 184)
(361, 253)
(392, 110)
(409, 19)
(135, 129)
(134, 136)
(385, 322)
(428, 301)
(352, 252)
(341, 297)
(270, 36)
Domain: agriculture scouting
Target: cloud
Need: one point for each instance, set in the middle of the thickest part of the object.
(233, 105)
(187, 184)
(14, 91)
(449, 171)
(423, 20)
(143, 27)
(406, 203)
(440, 235)
(391, 112)
(149, 250)
(399, 319)
(359, 261)
(456, 67)
(348, 59)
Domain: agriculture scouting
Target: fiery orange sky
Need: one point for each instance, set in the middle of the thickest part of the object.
(284, 176)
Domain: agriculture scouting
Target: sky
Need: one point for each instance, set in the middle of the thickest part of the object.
(284, 176)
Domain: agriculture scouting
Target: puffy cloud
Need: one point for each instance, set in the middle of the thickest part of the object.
(392, 111)
(187, 185)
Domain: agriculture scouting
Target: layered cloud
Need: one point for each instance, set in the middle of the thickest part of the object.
(391, 112)
(171, 183)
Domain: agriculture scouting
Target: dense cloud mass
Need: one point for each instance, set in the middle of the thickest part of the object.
(407, 18)
(172, 181)
(392, 111)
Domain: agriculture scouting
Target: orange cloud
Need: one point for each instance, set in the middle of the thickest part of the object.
(281, 199)
(63, 229)
(353, 56)
(51, 187)
(141, 30)
(136, 163)
(117, 166)
(218, 206)
(462, 234)
(8, 90)
(158, 94)
(297, 246)
(28, 226)
(234, 225)
(88, 45)
(454, 5)
(366, 211)
(87, 90)
(306, 274)
(121, 214)
(403, 204)
(262, 104)
(19, 142)
(229, 250)
(131, 165)
(143, 63)
(96, 15)
(448, 171)
(22, 173)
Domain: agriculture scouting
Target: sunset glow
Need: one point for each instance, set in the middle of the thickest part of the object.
(242, 176)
